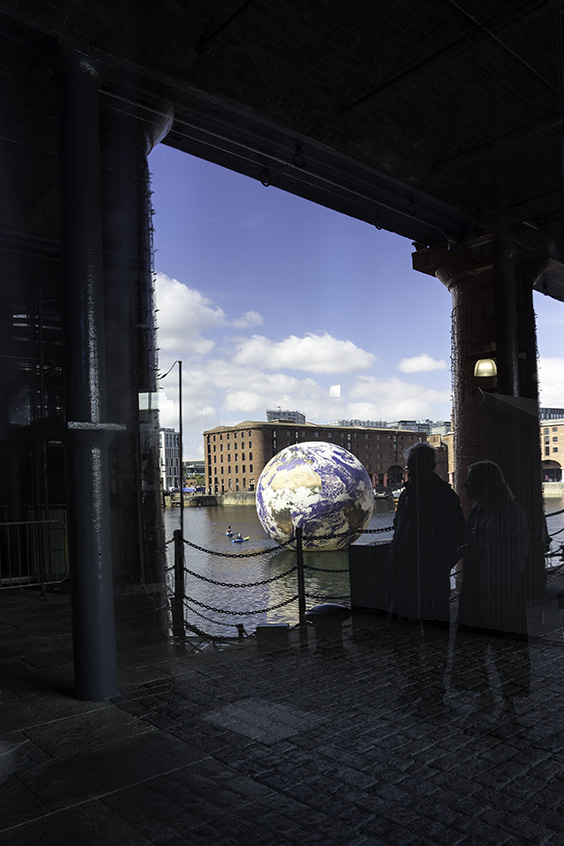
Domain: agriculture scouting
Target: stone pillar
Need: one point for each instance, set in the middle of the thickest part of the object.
(88, 493)
(495, 418)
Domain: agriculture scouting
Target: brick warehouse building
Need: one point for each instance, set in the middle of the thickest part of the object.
(236, 455)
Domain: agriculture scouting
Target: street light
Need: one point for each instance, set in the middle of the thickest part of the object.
(180, 449)
(485, 368)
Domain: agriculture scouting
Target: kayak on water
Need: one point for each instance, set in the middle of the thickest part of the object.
(239, 540)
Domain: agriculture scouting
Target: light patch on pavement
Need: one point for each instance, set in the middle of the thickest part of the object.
(264, 721)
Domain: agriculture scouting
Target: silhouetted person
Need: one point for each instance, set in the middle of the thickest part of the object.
(492, 598)
(497, 540)
(428, 531)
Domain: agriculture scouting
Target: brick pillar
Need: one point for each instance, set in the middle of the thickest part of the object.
(495, 418)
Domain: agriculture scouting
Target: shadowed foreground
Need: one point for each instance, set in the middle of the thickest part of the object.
(346, 741)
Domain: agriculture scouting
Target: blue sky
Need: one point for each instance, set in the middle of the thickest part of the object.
(270, 300)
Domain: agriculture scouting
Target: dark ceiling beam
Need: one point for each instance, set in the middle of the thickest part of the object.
(549, 121)
(207, 39)
(322, 175)
(477, 30)
(502, 44)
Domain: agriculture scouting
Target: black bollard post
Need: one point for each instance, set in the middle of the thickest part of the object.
(178, 627)
(301, 586)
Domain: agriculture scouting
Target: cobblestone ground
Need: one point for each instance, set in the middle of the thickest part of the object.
(352, 739)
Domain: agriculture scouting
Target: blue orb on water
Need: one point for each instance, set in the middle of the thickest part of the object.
(320, 487)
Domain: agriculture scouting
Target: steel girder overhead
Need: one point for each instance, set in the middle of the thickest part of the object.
(434, 120)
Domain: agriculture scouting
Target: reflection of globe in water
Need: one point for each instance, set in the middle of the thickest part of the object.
(320, 487)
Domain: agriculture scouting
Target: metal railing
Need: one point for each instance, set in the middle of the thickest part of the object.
(180, 603)
(33, 553)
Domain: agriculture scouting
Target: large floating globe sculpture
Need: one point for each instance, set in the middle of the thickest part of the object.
(320, 487)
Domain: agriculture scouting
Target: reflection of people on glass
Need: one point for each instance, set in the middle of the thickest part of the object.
(492, 597)
(428, 530)
(497, 539)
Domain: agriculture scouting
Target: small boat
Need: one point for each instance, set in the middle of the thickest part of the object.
(239, 540)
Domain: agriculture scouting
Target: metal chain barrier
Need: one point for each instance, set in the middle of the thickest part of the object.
(351, 532)
(554, 571)
(325, 598)
(204, 635)
(186, 603)
(240, 584)
(239, 555)
(203, 616)
(285, 544)
(243, 613)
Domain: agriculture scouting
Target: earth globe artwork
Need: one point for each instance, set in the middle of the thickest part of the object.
(321, 488)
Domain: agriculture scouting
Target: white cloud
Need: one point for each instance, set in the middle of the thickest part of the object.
(196, 416)
(250, 318)
(551, 382)
(263, 394)
(247, 390)
(183, 314)
(313, 353)
(394, 399)
(421, 364)
(226, 380)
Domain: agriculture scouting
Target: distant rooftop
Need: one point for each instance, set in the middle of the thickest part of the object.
(288, 416)
(551, 413)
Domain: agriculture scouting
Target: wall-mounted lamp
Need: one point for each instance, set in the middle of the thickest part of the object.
(485, 367)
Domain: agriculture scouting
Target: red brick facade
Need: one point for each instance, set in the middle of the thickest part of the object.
(236, 455)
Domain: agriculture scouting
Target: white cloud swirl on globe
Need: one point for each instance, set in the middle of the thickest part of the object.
(322, 488)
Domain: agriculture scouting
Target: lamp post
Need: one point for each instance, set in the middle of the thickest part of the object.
(180, 448)
(178, 604)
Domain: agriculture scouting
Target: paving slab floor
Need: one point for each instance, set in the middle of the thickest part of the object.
(356, 737)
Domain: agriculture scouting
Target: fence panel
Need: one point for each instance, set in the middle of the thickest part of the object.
(33, 552)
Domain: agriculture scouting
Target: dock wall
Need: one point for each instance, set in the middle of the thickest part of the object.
(201, 500)
(552, 490)
(236, 498)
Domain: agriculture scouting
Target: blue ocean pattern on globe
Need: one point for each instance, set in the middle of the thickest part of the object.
(320, 487)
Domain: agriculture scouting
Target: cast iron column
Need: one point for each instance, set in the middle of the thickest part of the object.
(88, 492)
(495, 418)
(131, 347)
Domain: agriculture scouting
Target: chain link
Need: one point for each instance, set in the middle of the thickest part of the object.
(240, 584)
(209, 619)
(238, 555)
(330, 598)
(205, 636)
(349, 532)
(554, 513)
(287, 543)
(242, 613)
